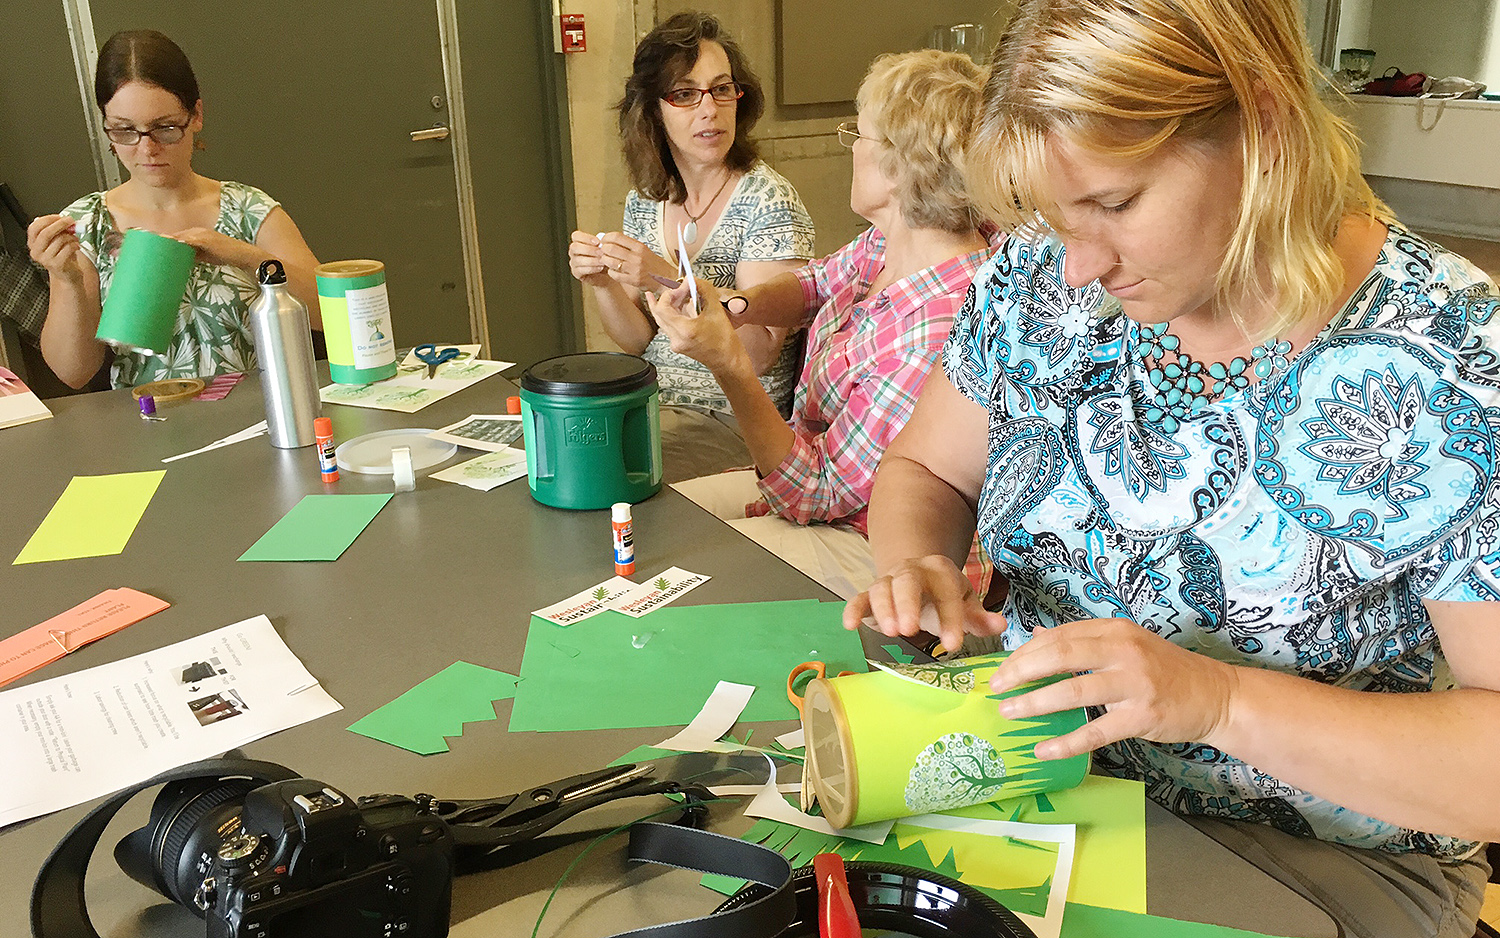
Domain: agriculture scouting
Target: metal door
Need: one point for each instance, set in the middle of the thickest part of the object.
(316, 103)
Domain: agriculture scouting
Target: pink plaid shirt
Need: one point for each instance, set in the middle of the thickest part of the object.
(867, 359)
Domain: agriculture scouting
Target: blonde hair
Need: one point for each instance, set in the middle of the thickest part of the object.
(1127, 78)
(922, 104)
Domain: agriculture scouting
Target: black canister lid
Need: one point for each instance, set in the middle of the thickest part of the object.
(589, 374)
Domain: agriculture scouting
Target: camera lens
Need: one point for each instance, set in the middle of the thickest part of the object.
(189, 822)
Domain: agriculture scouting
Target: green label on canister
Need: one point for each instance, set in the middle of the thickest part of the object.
(356, 321)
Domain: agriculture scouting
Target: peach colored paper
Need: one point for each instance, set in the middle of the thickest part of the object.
(105, 614)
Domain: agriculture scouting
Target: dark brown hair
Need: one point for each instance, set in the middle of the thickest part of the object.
(148, 56)
(666, 54)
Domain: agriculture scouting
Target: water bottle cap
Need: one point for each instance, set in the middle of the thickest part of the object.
(271, 272)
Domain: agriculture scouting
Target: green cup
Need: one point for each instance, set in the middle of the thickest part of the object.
(151, 275)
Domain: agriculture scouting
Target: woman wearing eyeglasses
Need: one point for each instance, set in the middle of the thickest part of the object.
(879, 311)
(148, 94)
(689, 106)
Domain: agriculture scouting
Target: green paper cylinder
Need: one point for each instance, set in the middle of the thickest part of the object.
(880, 747)
(151, 275)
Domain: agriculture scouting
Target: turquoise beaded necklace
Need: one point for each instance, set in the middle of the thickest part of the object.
(1182, 388)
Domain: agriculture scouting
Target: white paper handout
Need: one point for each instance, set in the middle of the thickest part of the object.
(411, 390)
(83, 735)
(488, 471)
(492, 432)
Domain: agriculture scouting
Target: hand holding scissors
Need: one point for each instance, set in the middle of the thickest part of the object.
(429, 355)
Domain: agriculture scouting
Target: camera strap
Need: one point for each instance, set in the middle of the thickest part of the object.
(58, 909)
(702, 851)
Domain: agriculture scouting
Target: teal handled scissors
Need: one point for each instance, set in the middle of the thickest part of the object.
(430, 356)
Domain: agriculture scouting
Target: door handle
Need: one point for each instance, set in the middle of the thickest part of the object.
(431, 133)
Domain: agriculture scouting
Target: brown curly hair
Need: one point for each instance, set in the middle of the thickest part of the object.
(666, 54)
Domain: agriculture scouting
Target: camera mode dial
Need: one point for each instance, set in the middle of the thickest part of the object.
(238, 852)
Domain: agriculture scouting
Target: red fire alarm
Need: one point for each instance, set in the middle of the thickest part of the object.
(572, 32)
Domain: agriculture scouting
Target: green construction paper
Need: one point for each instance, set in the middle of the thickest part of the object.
(1109, 860)
(438, 707)
(898, 653)
(320, 527)
(644, 754)
(1086, 921)
(692, 648)
(94, 517)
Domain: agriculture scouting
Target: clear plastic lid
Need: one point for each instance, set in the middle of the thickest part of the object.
(371, 453)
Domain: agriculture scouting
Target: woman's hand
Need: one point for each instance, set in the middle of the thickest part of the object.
(926, 594)
(1149, 687)
(220, 250)
(706, 336)
(52, 241)
(631, 264)
(586, 260)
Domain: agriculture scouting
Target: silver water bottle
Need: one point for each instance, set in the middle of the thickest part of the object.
(283, 344)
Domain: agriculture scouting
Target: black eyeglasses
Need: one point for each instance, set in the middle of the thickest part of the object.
(163, 134)
(689, 97)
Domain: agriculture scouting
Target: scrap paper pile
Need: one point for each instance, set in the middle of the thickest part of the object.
(438, 707)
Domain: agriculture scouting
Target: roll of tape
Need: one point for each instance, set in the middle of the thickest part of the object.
(401, 471)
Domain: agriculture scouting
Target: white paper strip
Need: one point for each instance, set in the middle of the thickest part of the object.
(792, 740)
(770, 805)
(249, 433)
(728, 791)
(717, 717)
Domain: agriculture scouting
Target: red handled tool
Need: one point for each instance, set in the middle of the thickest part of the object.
(836, 915)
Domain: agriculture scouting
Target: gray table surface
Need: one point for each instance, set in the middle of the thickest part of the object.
(443, 573)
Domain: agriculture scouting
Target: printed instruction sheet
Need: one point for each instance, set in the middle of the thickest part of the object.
(77, 737)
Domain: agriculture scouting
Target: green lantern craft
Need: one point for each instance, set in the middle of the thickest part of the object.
(912, 739)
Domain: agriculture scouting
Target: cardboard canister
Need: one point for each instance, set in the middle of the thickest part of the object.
(884, 745)
(151, 275)
(356, 321)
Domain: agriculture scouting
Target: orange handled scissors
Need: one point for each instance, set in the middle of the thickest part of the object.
(817, 668)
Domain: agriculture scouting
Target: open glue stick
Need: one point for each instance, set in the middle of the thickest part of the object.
(624, 538)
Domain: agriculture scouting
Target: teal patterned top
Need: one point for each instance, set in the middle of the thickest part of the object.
(764, 221)
(212, 335)
(1295, 525)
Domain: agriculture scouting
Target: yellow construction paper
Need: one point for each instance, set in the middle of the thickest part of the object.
(94, 517)
(1109, 866)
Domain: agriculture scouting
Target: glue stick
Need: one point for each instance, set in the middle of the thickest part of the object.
(620, 525)
(323, 431)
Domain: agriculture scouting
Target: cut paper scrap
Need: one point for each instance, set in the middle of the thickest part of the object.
(680, 653)
(438, 707)
(718, 716)
(770, 804)
(792, 740)
(1086, 921)
(219, 386)
(249, 433)
(898, 654)
(486, 472)
(589, 602)
(91, 620)
(94, 517)
(320, 527)
(666, 586)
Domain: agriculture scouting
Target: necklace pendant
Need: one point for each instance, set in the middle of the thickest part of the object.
(690, 232)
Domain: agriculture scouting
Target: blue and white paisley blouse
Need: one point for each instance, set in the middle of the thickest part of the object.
(1296, 525)
(764, 220)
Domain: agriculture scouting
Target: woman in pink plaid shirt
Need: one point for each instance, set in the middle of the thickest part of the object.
(877, 311)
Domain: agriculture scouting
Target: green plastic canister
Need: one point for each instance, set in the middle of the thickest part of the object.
(592, 424)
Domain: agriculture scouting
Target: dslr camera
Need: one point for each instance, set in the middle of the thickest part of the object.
(297, 858)
(259, 852)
